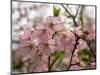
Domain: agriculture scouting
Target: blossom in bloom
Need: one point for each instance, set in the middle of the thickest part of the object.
(41, 33)
(91, 31)
(78, 31)
(41, 68)
(93, 65)
(37, 43)
(54, 23)
(75, 58)
(75, 67)
(25, 36)
(82, 44)
(65, 40)
(89, 28)
(47, 47)
(19, 54)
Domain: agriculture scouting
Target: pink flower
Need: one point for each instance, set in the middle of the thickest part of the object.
(20, 53)
(47, 37)
(42, 34)
(75, 67)
(90, 29)
(78, 31)
(25, 39)
(25, 36)
(26, 33)
(23, 12)
(54, 20)
(47, 29)
(82, 44)
(41, 68)
(54, 23)
(40, 63)
(93, 65)
(75, 58)
(65, 40)
(47, 47)
(91, 32)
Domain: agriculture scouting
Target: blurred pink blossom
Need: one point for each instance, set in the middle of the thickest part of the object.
(37, 43)
(75, 67)
(93, 65)
(65, 40)
(91, 31)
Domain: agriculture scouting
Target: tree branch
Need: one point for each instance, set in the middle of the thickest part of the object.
(67, 11)
(75, 46)
(91, 50)
(77, 11)
(73, 17)
(81, 16)
(77, 37)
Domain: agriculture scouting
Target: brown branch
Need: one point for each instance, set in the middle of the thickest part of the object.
(77, 63)
(67, 11)
(77, 11)
(73, 17)
(91, 50)
(81, 16)
(77, 37)
(75, 46)
(49, 64)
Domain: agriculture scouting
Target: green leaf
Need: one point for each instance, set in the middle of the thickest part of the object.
(57, 56)
(56, 11)
(84, 55)
(17, 66)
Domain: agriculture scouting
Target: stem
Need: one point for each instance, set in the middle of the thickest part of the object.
(89, 47)
(77, 11)
(78, 63)
(75, 46)
(73, 17)
(51, 65)
(77, 38)
(81, 16)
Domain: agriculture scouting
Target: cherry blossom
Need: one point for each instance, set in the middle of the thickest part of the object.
(93, 65)
(65, 40)
(37, 43)
(91, 32)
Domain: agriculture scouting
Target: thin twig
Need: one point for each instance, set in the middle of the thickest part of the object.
(77, 63)
(81, 16)
(89, 47)
(73, 17)
(51, 65)
(67, 10)
(77, 11)
(77, 38)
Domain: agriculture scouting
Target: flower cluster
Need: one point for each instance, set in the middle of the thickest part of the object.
(46, 38)
(39, 42)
